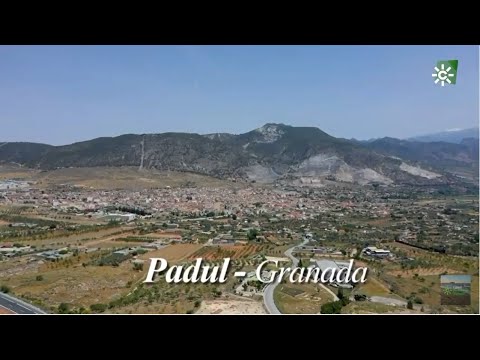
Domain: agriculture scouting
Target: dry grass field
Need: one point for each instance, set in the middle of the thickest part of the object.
(424, 271)
(124, 178)
(90, 239)
(231, 306)
(16, 172)
(437, 261)
(373, 287)
(179, 307)
(79, 286)
(300, 298)
(426, 287)
(365, 307)
(76, 285)
(173, 253)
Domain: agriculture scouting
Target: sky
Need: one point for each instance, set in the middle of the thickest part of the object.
(459, 279)
(62, 94)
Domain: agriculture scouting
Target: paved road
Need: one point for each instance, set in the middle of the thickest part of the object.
(268, 292)
(18, 306)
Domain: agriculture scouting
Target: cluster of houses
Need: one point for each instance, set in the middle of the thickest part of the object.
(55, 255)
(9, 250)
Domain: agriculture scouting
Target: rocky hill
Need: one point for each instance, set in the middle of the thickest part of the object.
(273, 152)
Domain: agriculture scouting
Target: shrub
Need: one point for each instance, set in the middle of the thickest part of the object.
(137, 266)
(63, 308)
(98, 308)
(5, 289)
(417, 300)
(331, 308)
(39, 278)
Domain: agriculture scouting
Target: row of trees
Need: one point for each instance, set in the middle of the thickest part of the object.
(133, 210)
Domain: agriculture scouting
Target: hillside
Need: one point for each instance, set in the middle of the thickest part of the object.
(272, 152)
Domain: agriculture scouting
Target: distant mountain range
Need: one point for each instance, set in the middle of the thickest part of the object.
(455, 136)
(273, 152)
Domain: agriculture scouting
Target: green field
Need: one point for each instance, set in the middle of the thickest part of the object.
(455, 292)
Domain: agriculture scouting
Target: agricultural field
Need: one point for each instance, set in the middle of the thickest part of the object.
(72, 283)
(173, 253)
(272, 250)
(232, 251)
(127, 178)
(300, 298)
(161, 297)
(103, 282)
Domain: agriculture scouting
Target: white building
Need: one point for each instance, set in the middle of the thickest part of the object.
(374, 251)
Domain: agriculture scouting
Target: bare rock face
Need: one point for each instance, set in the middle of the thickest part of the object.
(269, 133)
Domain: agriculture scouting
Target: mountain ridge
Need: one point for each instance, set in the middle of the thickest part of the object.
(452, 136)
(273, 152)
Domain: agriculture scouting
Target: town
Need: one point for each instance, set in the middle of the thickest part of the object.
(72, 248)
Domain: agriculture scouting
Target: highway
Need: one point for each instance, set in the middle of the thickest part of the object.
(18, 306)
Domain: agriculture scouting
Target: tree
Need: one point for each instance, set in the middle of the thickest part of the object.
(252, 234)
(234, 217)
(410, 304)
(340, 293)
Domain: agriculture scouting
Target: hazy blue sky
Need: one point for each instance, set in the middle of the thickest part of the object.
(62, 94)
(461, 279)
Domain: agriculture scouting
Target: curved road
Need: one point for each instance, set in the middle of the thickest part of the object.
(18, 306)
(270, 288)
